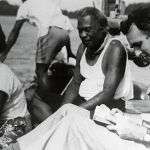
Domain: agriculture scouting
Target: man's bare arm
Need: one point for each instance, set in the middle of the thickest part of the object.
(113, 75)
(73, 88)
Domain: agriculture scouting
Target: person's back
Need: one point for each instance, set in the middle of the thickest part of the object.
(15, 105)
(14, 116)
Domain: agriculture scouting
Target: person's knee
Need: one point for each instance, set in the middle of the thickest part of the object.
(40, 110)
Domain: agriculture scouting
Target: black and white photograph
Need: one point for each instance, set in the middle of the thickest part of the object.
(74, 74)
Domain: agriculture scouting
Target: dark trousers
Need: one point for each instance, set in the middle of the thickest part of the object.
(49, 87)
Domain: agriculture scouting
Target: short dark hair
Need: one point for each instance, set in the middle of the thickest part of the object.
(99, 17)
(140, 17)
(2, 40)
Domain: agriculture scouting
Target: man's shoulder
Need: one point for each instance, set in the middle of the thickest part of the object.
(116, 47)
(115, 53)
(116, 43)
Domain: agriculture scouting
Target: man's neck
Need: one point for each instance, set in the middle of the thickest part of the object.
(96, 49)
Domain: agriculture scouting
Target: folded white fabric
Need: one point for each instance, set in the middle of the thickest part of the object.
(100, 114)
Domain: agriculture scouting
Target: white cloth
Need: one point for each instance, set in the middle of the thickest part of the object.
(94, 76)
(43, 14)
(71, 129)
(15, 105)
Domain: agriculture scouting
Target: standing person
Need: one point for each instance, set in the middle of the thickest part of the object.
(102, 73)
(53, 34)
(14, 116)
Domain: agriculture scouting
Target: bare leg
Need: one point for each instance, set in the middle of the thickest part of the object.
(40, 111)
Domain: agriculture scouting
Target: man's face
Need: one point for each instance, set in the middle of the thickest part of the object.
(138, 39)
(89, 31)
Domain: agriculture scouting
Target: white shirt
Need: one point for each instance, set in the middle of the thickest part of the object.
(43, 14)
(94, 76)
(15, 105)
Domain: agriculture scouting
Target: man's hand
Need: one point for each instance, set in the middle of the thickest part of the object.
(139, 57)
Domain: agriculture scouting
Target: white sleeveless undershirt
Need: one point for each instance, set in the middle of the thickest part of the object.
(94, 76)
